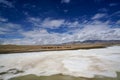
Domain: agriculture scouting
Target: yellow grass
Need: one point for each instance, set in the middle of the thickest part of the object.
(35, 48)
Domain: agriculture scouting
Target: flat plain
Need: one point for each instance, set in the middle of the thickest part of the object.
(38, 48)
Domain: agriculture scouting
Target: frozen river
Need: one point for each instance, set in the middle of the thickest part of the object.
(78, 63)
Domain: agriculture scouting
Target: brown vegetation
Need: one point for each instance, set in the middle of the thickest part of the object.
(35, 48)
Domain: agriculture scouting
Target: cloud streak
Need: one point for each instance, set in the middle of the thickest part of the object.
(99, 16)
(9, 28)
(65, 1)
(113, 4)
(55, 23)
(7, 3)
(3, 19)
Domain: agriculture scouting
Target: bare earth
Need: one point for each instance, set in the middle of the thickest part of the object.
(37, 48)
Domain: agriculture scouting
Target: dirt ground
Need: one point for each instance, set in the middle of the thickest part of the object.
(36, 48)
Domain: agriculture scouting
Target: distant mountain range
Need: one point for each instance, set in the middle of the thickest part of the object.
(76, 42)
(94, 41)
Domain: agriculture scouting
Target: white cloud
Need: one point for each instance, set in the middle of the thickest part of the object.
(8, 3)
(117, 13)
(46, 23)
(25, 13)
(95, 30)
(9, 28)
(118, 22)
(72, 24)
(35, 33)
(65, 1)
(98, 16)
(52, 23)
(3, 19)
(34, 21)
(77, 31)
(19, 41)
(65, 11)
(113, 4)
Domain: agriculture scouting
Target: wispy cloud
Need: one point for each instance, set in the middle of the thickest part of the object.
(9, 28)
(113, 4)
(3, 19)
(7, 3)
(34, 21)
(117, 13)
(72, 24)
(46, 23)
(52, 23)
(65, 1)
(118, 22)
(95, 30)
(98, 16)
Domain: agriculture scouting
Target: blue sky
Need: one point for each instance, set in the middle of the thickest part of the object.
(58, 21)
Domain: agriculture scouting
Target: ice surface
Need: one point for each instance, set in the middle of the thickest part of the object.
(78, 63)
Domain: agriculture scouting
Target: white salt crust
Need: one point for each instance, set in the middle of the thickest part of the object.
(78, 63)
